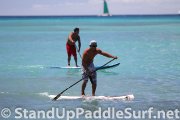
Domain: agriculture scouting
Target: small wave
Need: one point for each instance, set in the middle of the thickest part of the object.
(22, 67)
(44, 94)
(4, 92)
(32, 66)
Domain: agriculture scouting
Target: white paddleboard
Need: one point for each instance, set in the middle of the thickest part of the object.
(69, 67)
(126, 97)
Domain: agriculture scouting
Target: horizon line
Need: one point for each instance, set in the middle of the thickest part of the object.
(88, 15)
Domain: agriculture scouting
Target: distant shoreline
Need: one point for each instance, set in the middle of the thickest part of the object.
(40, 16)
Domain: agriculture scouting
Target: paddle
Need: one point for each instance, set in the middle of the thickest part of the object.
(55, 98)
(78, 51)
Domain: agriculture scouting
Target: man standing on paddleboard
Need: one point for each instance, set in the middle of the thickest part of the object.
(88, 66)
(71, 46)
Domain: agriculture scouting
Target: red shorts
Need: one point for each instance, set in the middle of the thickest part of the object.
(71, 50)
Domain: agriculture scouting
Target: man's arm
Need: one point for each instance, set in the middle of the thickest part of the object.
(106, 54)
(79, 44)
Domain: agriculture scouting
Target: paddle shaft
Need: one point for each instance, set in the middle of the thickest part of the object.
(81, 80)
(78, 51)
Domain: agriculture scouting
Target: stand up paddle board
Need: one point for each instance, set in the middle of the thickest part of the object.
(68, 67)
(97, 67)
(126, 97)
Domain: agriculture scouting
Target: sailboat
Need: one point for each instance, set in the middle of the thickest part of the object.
(106, 10)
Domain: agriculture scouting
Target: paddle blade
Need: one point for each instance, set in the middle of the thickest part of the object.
(57, 97)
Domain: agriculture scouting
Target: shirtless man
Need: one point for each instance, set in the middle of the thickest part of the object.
(71, 46)
(88, 66)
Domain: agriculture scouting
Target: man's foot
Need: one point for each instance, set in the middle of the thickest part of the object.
(77, 65)
(83, 94)
(68, 65)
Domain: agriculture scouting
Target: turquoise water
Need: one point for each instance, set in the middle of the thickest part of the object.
(148, 48)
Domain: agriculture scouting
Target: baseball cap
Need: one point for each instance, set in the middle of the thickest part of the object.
(93, 43)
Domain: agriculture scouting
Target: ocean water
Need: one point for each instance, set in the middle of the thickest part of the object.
(148, 48)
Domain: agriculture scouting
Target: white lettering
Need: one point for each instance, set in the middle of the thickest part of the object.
(97, 114)
(177, 113)
(70, 114)
(50, 114)
(161, 114)
(144, 114)
(128, 112)
(41, 114)
(58, 114)
(88, 114)
(19, 114)
(79, 111)
(150, 111)
(107, 114)
(119, 114)
(170, 114)
(137, 115)
(32, 114)
(25, 112)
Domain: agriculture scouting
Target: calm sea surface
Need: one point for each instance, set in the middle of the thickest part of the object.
(148, 48)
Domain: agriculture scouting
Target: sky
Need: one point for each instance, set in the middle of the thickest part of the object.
(87, 7)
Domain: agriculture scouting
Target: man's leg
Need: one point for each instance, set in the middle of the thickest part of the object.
(93, 86)
(69, 59)
(75, 59)
(93, 89)
(68, 49)
(83, 87)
